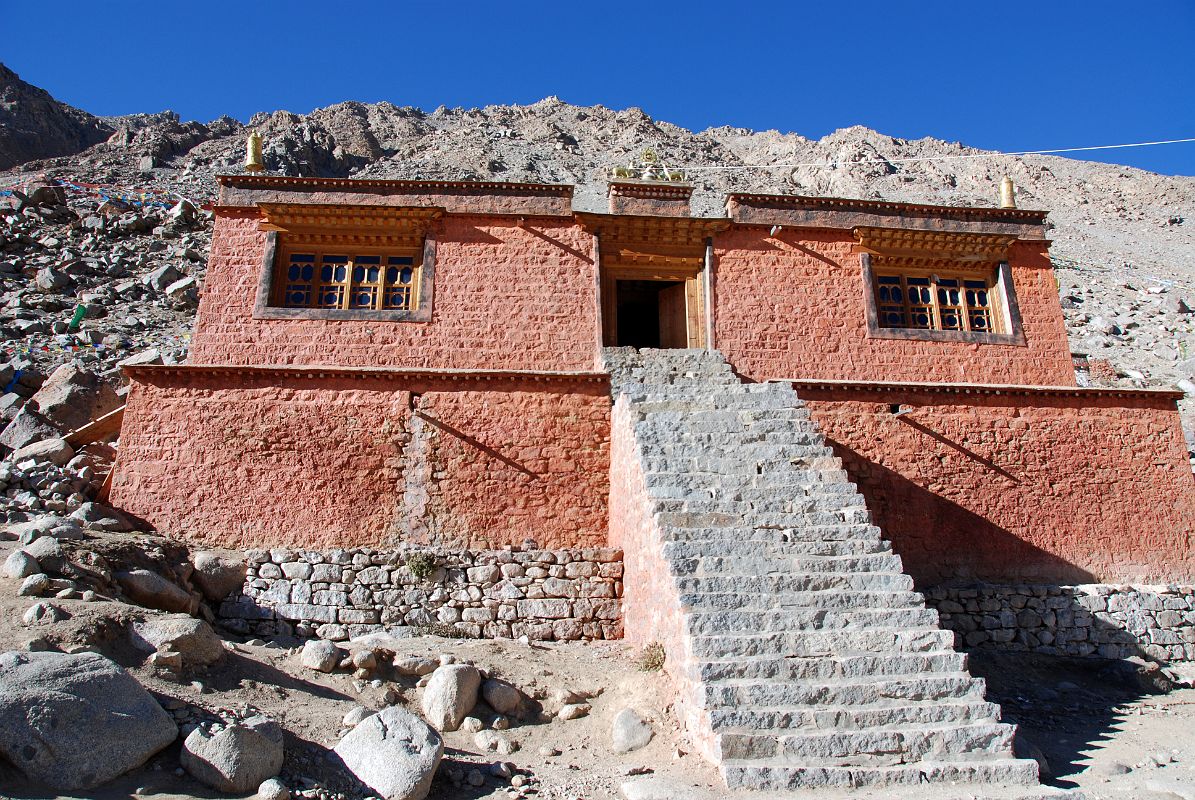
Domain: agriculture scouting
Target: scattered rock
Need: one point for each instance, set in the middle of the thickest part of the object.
(273, 789)
(320, 655)
(503, 697)
(394, 753)
(450, 695)
(20, 564)
(42, 612)
(573, 711)
(356, 716)
(34, 585)
(153, 591)
(629, 731)
(193, 639)
(415, 666)
(234, 759)
(217, 574)
(75, 721)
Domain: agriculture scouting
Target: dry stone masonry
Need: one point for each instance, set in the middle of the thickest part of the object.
(1086, 620)
(542, 594)
(806, 658)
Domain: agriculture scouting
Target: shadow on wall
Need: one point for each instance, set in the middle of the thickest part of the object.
(942, 542)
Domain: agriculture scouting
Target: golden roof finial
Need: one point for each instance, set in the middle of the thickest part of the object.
(253, 153)
(1008, 193)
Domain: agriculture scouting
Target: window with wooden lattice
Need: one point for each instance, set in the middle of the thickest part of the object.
(937, 302)
(347, 262)
(939, 285)
(384, 280)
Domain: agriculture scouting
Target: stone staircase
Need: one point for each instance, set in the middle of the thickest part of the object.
(804, 655)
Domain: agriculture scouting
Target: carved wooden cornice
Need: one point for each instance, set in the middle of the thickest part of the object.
(651, 189)
(665, 232)
(914, 247)
(349, 224)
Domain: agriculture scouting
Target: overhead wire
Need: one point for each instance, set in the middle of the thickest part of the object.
(957, 156)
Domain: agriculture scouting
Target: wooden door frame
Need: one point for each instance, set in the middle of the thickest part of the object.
(695, 308)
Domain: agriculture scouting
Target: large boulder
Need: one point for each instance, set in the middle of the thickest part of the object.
(235, 759)
(55, 451)
(191, 638)
(217, 575)
(72, 722)
(394, 753)
(450, 695)
(26, 428)
(72, 397)
(153, 591)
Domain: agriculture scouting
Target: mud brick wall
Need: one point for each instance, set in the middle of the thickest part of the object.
(506, 297)
(651, 603)
(245, 458)
(559, 595)
(1087, 620)
(1019, 487)
(794, 307)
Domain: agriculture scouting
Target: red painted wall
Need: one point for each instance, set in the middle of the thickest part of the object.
(1020, 488)
(795, 308)
(271, 460)
(505, 298)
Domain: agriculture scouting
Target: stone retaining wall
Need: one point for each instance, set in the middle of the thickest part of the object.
(1086, 620)
(338, 594)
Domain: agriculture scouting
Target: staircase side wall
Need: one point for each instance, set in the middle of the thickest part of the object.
(264, 460)
(1020, 488)
(651, 610)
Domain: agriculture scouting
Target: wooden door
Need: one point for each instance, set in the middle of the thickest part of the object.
(674, 322)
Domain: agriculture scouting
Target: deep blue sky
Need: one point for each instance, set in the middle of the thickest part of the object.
(1007, 75)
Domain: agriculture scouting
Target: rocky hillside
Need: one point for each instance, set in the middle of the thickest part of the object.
(35, 125)
(1124, 238)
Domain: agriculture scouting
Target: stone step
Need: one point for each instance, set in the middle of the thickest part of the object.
(881, 747)
(789, 522)
(858, 692)
(796, 507)
(705, 623)
(782, 720)
(768, 563)
(815, 643)
(838, 539)
(829, 668)
(716, 463)
(781, 776)
(848, 600)
(782, 584)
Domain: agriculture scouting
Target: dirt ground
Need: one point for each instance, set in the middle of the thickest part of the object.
(1100, 733)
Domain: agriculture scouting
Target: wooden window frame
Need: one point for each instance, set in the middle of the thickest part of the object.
(1006, 316)
(268, 304)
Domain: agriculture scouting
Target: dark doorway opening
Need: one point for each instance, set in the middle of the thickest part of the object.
(651, 313)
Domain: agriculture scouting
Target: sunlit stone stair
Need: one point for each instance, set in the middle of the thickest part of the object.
(812, 659)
